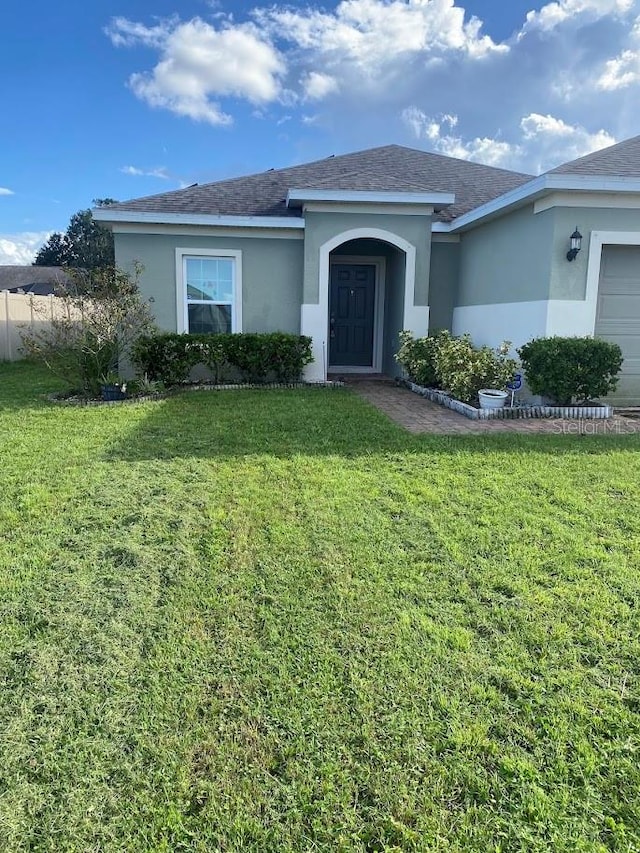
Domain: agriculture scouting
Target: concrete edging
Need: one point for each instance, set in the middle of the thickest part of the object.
(173, 392)
(507, 413)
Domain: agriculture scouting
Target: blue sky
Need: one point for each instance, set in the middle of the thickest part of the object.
(131, 98)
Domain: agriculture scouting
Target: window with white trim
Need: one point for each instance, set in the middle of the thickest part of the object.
(211, 292)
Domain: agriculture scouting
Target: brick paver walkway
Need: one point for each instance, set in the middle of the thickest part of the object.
(418, 415)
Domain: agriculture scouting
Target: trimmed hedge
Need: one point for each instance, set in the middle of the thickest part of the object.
(567, 369)
(169, 358)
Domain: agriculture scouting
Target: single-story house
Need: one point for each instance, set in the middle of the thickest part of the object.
(32, 279)
(352, 249)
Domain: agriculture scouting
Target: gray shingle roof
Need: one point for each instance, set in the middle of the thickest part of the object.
(32, 279)
(621, 160)
(390, 168)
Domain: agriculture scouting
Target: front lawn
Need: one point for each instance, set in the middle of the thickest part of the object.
(274, 621)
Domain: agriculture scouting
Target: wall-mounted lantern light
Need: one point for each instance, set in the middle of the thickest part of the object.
(576, 245)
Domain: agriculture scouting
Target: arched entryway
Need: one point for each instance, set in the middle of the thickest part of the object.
(389, 308)
(367, 271)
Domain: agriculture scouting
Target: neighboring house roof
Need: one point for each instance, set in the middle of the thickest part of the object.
(621, 160)
(391, 168)
(41, 281)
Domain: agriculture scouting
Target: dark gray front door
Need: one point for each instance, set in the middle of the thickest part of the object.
(351, 315)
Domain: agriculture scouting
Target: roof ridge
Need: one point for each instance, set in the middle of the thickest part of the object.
(386, 168)
(285, 170)
(331, 157)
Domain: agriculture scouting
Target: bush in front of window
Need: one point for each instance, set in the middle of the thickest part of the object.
(257, 357)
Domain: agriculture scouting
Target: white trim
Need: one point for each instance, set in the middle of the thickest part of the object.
(182, 311)
(528, 192)
(208, 231)
(593, 183)
(364, 207)
(314, 317)
(350, 368)
(104, 214)
(441, 227)
(513, 198)
(599, 239)
(380, 265)
(538, 187)
(295, 197)
(626, 201)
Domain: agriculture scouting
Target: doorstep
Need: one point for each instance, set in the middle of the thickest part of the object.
(349, 378)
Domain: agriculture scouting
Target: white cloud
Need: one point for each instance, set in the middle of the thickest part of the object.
(535, 124)
(21, 248)
(560, 86)
(125, 33)
(317, 85)
(621, 72)
(624, 69)
(555, 141)
(134, 171)
(199, 63)
(6, 191)
(372, 34)
(554, 14)
(542, 139)
(493, 152)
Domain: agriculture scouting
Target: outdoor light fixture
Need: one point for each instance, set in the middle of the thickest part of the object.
(576, 244)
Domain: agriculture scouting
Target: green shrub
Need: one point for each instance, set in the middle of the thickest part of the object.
(249, 353)
(289, 355)
(454, 364)
(166, 358)
(568, 369)
(417, 357)
(169, 358)
(214, 352)
(464, 369)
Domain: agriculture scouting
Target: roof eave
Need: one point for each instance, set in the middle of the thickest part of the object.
(113, 217)
(296, 198)
(538, 187)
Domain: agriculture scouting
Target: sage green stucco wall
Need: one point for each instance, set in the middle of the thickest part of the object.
(507, 260)
(393, 311)
(271, 272)
(321, 227)
(569, 280)
(443, 284)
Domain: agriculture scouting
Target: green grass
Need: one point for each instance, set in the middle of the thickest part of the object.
(273, 621)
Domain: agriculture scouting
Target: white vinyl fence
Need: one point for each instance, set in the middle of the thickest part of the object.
(18, 310)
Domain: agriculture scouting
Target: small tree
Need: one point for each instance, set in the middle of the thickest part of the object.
(86, 244)
(101, 317)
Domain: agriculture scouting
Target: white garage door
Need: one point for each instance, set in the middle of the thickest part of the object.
(618, 317)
